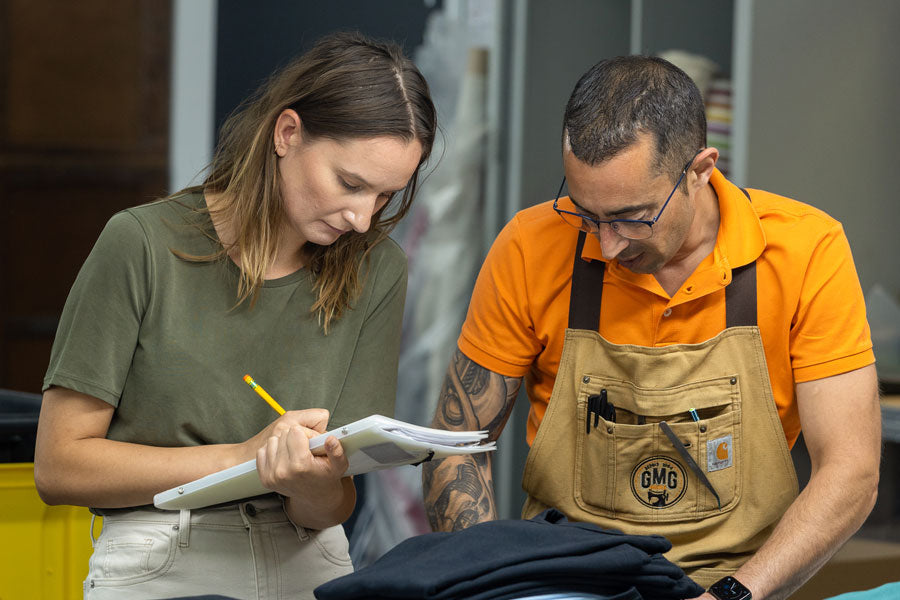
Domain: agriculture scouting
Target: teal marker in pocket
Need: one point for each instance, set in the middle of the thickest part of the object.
(694, 414)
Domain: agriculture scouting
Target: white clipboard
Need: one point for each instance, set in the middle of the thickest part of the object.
(373, 443)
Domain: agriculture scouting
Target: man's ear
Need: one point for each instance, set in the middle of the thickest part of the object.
(703, 166)
(288, 131)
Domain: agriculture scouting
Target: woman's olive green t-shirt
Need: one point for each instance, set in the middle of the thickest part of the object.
(160, 338)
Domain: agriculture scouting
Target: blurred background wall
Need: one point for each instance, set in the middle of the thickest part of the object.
(84, 116)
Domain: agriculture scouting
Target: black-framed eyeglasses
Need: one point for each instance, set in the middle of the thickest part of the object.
(632, 229)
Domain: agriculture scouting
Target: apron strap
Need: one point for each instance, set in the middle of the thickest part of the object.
(740, 294)
(587, 289)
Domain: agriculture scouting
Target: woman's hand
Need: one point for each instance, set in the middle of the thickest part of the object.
(318, 495)
(315, 420)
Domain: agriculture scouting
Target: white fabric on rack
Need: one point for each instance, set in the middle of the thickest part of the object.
(442, 237)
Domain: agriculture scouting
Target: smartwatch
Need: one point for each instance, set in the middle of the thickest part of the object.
(729, 588)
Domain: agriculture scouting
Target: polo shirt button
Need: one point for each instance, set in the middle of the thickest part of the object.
(689, 289)
(667, 312)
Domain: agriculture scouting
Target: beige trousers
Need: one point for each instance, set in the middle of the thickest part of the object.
(248, 550)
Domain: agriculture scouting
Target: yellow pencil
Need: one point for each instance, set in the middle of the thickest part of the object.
(264, 394)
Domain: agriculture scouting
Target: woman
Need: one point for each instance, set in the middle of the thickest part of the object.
(278, 266)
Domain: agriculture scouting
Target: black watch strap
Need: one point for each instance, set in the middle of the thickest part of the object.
(729, 588)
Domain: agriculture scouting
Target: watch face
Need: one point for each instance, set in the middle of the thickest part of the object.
(729, 588)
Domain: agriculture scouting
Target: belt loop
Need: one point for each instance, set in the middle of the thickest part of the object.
(91, 532)
(242, 509)
(302, 533)
(184, 528)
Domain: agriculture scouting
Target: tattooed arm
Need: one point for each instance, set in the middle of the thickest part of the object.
(459, 490)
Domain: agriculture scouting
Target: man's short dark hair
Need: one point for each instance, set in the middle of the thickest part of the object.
(620, 98)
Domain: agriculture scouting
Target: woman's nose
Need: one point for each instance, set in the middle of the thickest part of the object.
(359, 215)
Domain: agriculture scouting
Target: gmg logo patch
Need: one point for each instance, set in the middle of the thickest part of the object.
(658, 482)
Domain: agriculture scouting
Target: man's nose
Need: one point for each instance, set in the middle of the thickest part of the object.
(611, 243)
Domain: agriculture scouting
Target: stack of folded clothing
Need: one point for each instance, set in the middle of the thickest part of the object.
(718, 120)
(517, 558)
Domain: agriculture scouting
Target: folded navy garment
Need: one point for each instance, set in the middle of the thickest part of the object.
(517, 558)
(203, 597)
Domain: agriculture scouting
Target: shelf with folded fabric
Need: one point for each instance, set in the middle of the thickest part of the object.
(718, 120)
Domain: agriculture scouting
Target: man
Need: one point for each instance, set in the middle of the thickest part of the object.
(728, 319)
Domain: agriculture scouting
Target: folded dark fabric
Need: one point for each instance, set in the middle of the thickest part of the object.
(202, 597)
(545, 554)
(529, 589)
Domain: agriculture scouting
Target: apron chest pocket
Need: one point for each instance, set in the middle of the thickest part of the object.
(627, 465)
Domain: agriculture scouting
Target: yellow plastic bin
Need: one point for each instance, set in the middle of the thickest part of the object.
(45, 549)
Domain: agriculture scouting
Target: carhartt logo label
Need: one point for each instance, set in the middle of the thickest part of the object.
(722, 451)
(719, 454)
(658, 482)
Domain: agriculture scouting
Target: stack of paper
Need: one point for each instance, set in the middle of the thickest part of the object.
(373, 443)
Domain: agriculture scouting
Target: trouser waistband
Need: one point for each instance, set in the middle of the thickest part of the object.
(149, 508)
(267, 509)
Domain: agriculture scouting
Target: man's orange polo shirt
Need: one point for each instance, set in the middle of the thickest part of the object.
(811, 312)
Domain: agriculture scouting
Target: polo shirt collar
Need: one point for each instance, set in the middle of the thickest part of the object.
(741, 236)
(740, 239)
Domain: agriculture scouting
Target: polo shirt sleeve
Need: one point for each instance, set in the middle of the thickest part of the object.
(498, 332)
(829, 333)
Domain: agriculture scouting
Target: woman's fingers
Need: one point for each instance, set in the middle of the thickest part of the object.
(314, 418)
(262, 460)
(312, 421)
(296, 445)
(267, 462)
(337, 458)
(286, 465)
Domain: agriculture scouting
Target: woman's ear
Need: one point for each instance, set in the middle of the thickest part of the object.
(288, 131)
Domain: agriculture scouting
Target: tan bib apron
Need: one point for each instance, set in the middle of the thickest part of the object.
(606, 451)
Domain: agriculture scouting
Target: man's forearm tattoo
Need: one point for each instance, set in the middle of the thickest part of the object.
(459, 490)
(474, 379)
(450, 406)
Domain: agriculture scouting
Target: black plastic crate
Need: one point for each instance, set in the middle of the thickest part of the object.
(18, 425)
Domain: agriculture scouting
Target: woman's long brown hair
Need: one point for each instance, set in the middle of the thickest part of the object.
(346, 87)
